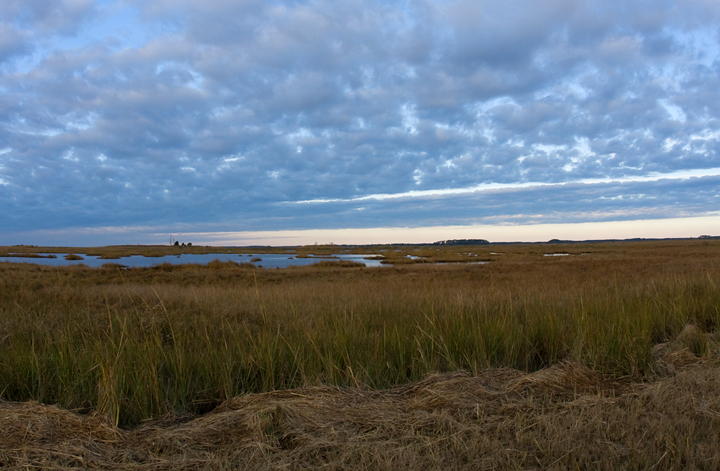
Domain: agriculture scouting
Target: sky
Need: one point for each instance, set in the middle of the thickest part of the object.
(244, 122)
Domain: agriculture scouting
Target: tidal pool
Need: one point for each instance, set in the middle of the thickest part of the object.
(267, 260)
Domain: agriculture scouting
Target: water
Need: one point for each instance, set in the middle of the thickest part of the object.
(267, 260)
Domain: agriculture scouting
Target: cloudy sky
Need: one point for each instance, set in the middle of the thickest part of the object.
(232, 121)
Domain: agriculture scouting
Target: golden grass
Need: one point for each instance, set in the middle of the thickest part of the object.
(528, 361)
(562, 417)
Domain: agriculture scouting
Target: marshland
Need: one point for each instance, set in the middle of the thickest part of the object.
(604, 358)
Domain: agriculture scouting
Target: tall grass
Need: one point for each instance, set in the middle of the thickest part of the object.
(139, 343)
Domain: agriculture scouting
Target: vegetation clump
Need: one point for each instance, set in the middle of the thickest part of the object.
(26, 255)
(218, 264)
(340, 263)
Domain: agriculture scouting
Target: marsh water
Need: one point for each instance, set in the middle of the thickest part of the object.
(267, 260)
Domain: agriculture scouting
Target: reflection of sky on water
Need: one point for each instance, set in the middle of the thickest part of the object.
(266, 260)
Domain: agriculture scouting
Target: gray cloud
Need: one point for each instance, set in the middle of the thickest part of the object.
(49, 16)
(230, 111)
(13, 42)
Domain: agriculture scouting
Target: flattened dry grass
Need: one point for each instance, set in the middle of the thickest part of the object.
(562, 417)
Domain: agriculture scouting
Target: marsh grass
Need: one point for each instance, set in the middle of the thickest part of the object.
(133, 344)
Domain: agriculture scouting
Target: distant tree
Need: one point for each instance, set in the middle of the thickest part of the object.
(189, 244)
(177, 242)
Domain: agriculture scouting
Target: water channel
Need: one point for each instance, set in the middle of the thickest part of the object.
(266, 260)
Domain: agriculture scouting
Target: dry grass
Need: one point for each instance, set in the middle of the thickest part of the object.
(562, 417)
(601, 361)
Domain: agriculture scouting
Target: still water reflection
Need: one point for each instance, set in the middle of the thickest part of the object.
(266, 260)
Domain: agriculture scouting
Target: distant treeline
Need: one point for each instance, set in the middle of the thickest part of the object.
(462, 242)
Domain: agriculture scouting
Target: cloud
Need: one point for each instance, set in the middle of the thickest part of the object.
(50, 16)
(29, 25)
(219, 113)
(13, 42)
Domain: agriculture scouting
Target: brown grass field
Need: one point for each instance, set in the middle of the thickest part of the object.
(608, 358)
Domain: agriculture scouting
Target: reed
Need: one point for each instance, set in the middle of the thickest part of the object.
(133, 344)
